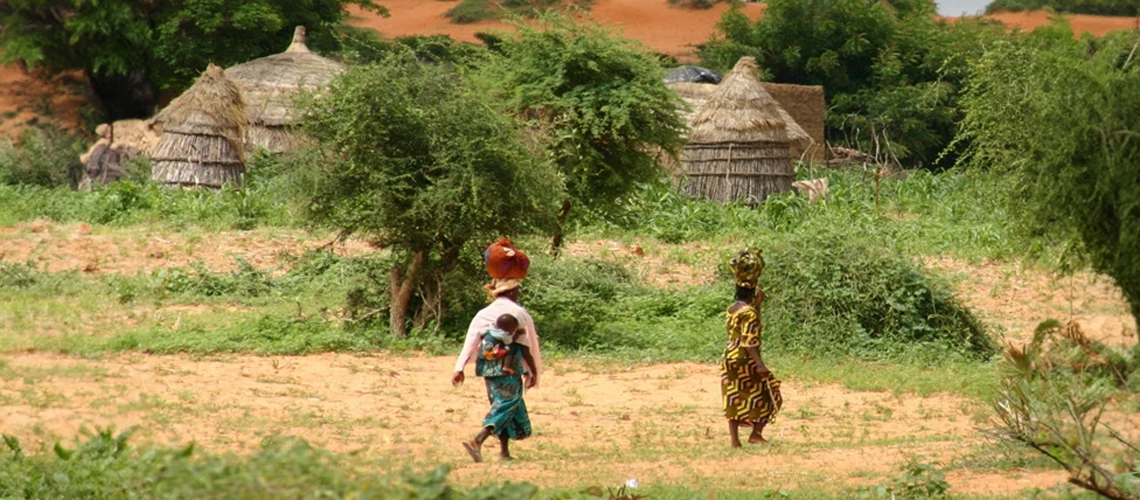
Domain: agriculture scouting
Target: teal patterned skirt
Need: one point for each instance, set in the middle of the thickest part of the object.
(508, 416)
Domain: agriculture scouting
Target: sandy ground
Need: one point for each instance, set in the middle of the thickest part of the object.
(595, 424)
(658, 424)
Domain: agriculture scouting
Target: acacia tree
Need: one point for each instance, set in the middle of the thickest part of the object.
(131, 49)
(419, 161)
(599, 100)
(1059, 117)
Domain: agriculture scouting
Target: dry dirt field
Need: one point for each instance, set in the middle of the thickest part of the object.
(596, 422)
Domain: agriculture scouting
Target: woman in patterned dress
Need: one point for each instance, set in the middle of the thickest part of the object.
(751, 395)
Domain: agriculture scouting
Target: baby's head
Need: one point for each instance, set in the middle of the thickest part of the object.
(507, 323)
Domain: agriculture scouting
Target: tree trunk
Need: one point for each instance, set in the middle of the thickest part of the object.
(402, 286)
(556, 245)
(125, 96)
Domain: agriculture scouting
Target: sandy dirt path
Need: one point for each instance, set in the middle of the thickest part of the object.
(594, 425)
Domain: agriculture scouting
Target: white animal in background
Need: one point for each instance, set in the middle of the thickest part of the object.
(816, 189)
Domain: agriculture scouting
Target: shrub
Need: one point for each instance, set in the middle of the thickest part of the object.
(1057, 116)
(46, 156)
(841, 294)
(106, 466)
(829, 295)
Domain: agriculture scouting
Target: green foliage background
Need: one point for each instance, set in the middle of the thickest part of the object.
(891, 73)
(1060, 117)
(596, 97)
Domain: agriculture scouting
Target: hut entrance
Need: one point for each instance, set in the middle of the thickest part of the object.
(739, 148)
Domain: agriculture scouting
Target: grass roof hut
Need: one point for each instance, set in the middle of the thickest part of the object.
(201, 141)
(738, 145)
(695, 95)
(270, 85)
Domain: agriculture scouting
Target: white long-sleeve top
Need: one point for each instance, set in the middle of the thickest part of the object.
(486, 317)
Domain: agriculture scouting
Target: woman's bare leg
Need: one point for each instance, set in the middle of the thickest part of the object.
(475, 446)
(734, 433)
(504, 449)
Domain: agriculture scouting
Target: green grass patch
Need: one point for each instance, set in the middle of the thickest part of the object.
(106, 466)
(950, 213)
(270, 196)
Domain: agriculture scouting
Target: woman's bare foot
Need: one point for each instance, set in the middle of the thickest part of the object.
(757, 436)
(757, 439)
(506, 457)
(474, 449)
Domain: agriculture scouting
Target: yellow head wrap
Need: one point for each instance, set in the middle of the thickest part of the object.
(747, 266)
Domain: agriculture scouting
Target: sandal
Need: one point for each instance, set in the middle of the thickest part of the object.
(473, 450)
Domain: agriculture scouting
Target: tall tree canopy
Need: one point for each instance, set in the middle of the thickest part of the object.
(890, 69)
(1062, 118)
(130, 49)
(598, 97)
(428, 167)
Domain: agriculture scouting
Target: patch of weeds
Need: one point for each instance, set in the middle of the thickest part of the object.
(265, 335)
(106, 466)
(919, 479)
(246, 281)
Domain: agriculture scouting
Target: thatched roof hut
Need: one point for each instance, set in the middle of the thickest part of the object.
(201, 141)
(270, 85)
(738, 145)
(695, 95)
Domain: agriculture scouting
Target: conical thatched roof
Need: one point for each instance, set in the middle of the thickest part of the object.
(270, 84)
(201, 141)
(739, 111)
(696, 94)
(212, 106)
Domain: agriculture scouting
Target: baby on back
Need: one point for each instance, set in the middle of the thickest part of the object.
(499, 342)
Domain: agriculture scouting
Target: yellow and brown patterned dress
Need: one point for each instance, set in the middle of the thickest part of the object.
(746, 394)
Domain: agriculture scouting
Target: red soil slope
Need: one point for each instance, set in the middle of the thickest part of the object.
(661, 27)
(1097, 25)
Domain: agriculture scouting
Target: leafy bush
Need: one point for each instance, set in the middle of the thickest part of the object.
(918, 480)
(840, 294)
(892, 71)
(46, 156)
(16, 276)
(830, 295)
(1057, 116)
(106, 466)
